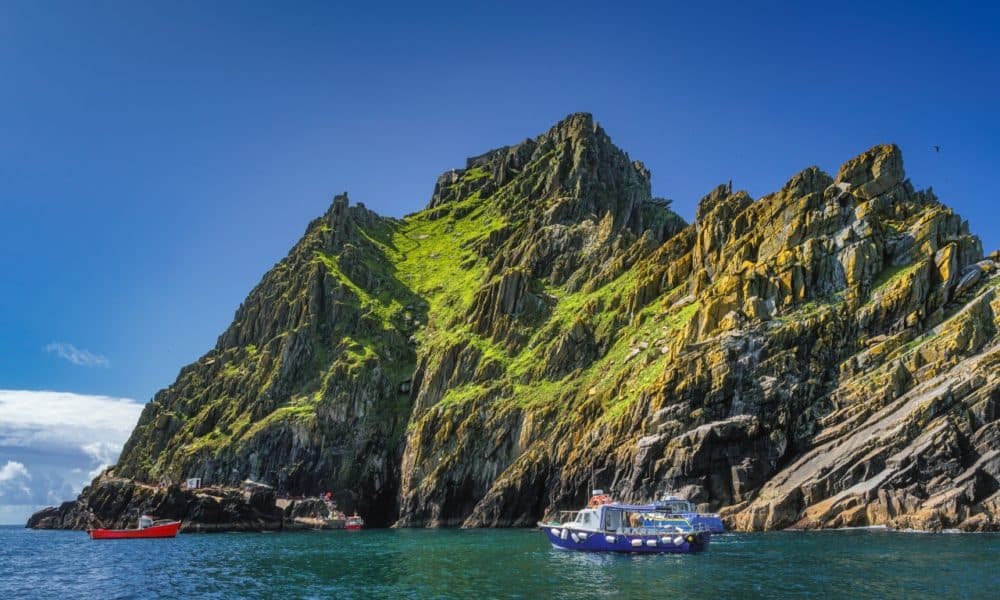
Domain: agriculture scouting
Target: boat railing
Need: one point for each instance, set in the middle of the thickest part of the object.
(650, 530)
(667, 528)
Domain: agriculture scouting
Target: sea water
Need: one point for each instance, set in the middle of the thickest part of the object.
(512, 563)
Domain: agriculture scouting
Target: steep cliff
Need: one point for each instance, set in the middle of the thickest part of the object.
(826, 355)
(307, 389)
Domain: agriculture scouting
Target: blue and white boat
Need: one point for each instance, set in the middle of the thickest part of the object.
(679, 507)
(606, 526)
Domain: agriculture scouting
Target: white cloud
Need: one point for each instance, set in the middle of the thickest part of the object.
(103, 453)
(54, 443)
(14, 478)
(28, 418)
(13, 470)
(83, 358)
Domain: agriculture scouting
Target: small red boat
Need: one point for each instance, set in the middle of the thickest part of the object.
(354, 523)
(148, 528)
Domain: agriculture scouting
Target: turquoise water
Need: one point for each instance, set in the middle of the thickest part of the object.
(494, 564)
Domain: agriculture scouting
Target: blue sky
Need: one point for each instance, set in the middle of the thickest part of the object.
(157, 158)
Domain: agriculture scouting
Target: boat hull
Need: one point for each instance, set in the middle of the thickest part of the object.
(167, 530)
(645, 542)
(353, 527)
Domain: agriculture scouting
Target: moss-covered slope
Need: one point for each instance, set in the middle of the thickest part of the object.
(824, 355)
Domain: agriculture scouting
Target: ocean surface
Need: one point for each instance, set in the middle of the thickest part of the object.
(494, 564)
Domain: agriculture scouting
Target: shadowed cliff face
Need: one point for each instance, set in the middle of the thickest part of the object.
(307, 388)
(826, 355)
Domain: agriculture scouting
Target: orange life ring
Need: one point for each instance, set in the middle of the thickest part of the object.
(599, 500)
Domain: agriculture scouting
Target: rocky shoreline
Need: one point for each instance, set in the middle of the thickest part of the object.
(115, 502)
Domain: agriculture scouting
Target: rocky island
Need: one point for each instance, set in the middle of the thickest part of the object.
(824, 356)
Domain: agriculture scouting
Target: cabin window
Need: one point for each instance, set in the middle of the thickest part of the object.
(612, 520)
(678, 507)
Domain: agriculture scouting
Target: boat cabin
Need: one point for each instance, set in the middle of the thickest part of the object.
(622, 518)
(674, 505)
(145, 521)
(588, 518)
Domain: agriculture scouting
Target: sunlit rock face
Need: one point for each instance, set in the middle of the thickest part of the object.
(823, 356)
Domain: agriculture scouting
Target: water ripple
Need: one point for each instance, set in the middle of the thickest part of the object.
(492, 564)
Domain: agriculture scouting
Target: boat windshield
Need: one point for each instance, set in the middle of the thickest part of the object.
(587, 518)
(675, 506)
(631, 519)
(569, 516)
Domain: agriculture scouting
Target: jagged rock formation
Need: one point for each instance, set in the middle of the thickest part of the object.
(117, 503)
(823, 356)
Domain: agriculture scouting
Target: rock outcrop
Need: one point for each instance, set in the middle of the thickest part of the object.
(117, 503)
(824, 356)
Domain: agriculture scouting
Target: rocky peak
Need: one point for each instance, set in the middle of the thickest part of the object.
(571, 172)
(873, 172)
(812, 180)
(824, 355)
(595, 175)
(338, 217)
(716, 222)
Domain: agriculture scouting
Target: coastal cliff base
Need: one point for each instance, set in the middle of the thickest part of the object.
(117, 503)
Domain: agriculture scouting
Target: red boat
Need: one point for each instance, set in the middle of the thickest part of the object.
(354, 523)
(148, 528)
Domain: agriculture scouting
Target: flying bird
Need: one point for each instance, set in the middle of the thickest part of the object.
(936, 148)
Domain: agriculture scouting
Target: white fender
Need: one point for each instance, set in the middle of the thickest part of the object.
(678, 541)
(563, 534)
(575, 537)
(664, 540)
(609, 539)
(636, 543)
(651, 543)
(554, 531)
(583, 536)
